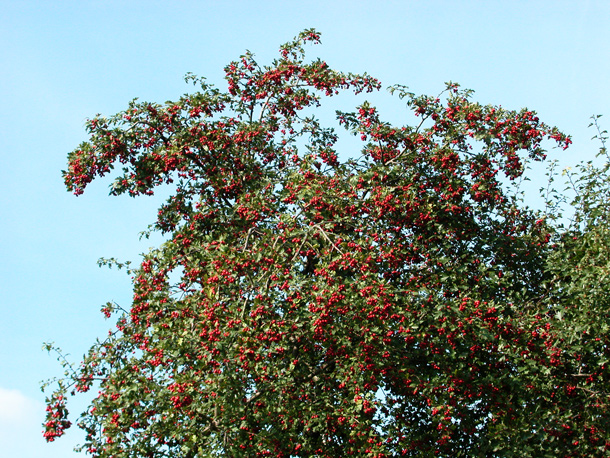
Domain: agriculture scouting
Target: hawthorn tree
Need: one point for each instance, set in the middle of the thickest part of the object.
(578, 378)
(402, 302)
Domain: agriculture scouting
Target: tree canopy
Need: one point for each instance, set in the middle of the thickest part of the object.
(400, 300)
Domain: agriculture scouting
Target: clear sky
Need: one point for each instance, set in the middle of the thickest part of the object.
(63, 61)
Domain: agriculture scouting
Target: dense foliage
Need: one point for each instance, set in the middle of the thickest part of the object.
(403, 302)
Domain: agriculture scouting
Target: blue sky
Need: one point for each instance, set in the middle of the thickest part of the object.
(64, 61)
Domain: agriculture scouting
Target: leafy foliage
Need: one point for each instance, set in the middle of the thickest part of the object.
(403, 302)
